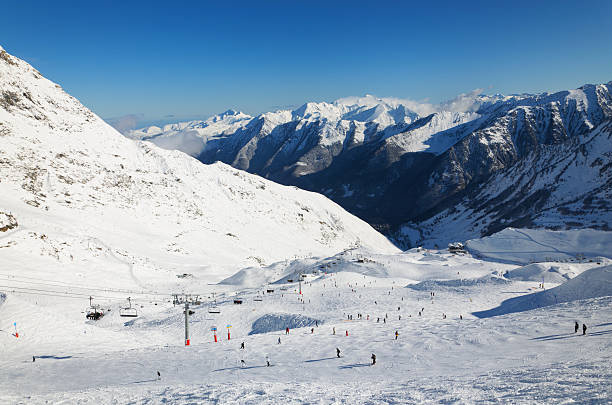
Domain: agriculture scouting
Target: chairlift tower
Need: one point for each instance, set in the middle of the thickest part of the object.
(186, 322)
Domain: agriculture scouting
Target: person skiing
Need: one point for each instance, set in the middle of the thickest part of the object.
(584, 328)
(242, 345)
(242, 363)
(396, 334)
(158, 375)
(33, 359)
(311, 331)
(337, 352)
(576, 326)
(279, 342)
(373, 359)
(286, 331)
(334, 330)
(267, 361)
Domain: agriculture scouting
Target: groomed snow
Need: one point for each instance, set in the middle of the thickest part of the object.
(531, 245)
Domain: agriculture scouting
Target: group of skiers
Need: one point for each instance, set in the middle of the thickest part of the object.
(577, 326)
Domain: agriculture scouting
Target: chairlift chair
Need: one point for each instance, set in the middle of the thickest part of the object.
(94, 312)
(214, 309)
(128, 312)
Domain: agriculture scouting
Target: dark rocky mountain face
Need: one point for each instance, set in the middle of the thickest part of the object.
(507, 163)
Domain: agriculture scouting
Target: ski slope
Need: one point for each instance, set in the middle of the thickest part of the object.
(527, 356)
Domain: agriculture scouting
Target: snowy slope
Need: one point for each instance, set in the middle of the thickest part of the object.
(592, 283)
(527, 356)
(78, 190)
(537, 245)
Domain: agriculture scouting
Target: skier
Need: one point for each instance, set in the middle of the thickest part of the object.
(33, 359)
(396, 334)
(267, 361)
(279, 342)
(373, 359)
(334, 331)
(337, 352)
(584, 328)
(384, 320)
(158, 375)
(461, 317)
(286, 331)
(576, 326)
(242, 345)
(311, 331)
(242, 363)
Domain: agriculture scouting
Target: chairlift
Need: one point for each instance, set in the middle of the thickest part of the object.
(128, 312)
(214, 309)
(94, 312)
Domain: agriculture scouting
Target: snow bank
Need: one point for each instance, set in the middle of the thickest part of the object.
(525, 246)
(592, 283)
(540, 272)
(429, 285)
(276, 322)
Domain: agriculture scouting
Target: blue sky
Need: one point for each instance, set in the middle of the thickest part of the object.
(176, 59)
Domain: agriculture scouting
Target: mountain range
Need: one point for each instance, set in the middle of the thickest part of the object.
(423, 173)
